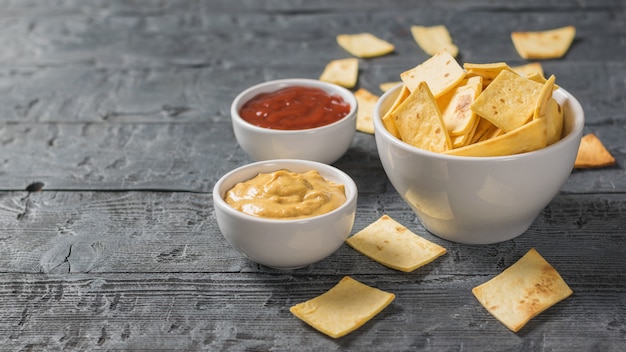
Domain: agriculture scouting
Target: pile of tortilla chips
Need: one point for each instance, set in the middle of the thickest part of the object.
(474, 110)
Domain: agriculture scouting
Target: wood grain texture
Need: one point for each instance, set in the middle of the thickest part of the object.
(114, 127)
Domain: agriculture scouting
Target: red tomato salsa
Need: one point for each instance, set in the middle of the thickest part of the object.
(294, 108)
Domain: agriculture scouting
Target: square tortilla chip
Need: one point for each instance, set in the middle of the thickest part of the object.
(419, 122)
(391, 244)
(434, 39)
(343, 72)
(592, 153)
(441, 72)
(522, 291)
(365, 112)
(549, 44)
(364, 45)
(344, 308)
(509, 101)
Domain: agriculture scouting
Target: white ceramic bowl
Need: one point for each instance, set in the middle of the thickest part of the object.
(325, 144)
(479, 200)
(285, 244)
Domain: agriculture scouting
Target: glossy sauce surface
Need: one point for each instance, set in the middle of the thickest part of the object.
(286, 195)
(294, 108)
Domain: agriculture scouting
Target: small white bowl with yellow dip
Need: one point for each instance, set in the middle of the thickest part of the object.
(285, 213)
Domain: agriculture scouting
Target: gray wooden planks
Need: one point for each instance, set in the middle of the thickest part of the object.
(119, 112)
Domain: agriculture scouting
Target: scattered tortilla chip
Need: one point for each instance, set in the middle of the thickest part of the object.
(529, 69)
(522, 291)
(419, 121)
(509, 101)
(344, 308)
(364, 116)
(391, 244)
(434, 39)
(530, 136)
(592, 153)
(343, 72)
(388, 85)
(364, 45)
(549, 44)
(441, 72)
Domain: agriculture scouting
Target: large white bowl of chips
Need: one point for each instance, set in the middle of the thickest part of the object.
(285, 243)
(479, 200)
(324, 144)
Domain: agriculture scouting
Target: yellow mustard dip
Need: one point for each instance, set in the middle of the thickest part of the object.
(286, 195)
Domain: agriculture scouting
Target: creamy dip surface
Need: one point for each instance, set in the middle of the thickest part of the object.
(286, 195)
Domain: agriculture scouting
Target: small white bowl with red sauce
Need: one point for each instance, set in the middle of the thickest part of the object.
(295, 118)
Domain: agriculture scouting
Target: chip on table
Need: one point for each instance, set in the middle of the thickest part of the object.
(343, 72)
(529, 69)
(392, 244)
(522, 291)
(433, 39)
(385, 86)
(592, 153)
(344, 308)
(365, 112)
(548, 44)
(364, 45)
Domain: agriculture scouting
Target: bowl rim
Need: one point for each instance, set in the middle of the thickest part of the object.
(579, 123)
(351, 189)
(277, 84)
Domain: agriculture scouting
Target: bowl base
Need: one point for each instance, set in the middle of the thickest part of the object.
(467, 235)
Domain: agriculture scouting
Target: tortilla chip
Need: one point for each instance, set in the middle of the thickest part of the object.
(344, 308)
(544, 96)
(554, 121)
(549, 44)
(364, 45)
(528, 137)
(522, 291)
(458, 117)
(482, 130)
(343, 72)
(388, 121)
(487, 71)
(419, 121)
(509, 101)
(388, 85)
(529, 69)
(441, 72)
(393, 245)
(434, 39)
(592, 153)
(465, 139)
(365, 112)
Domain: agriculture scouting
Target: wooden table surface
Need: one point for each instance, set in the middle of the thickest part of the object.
(114, 127)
